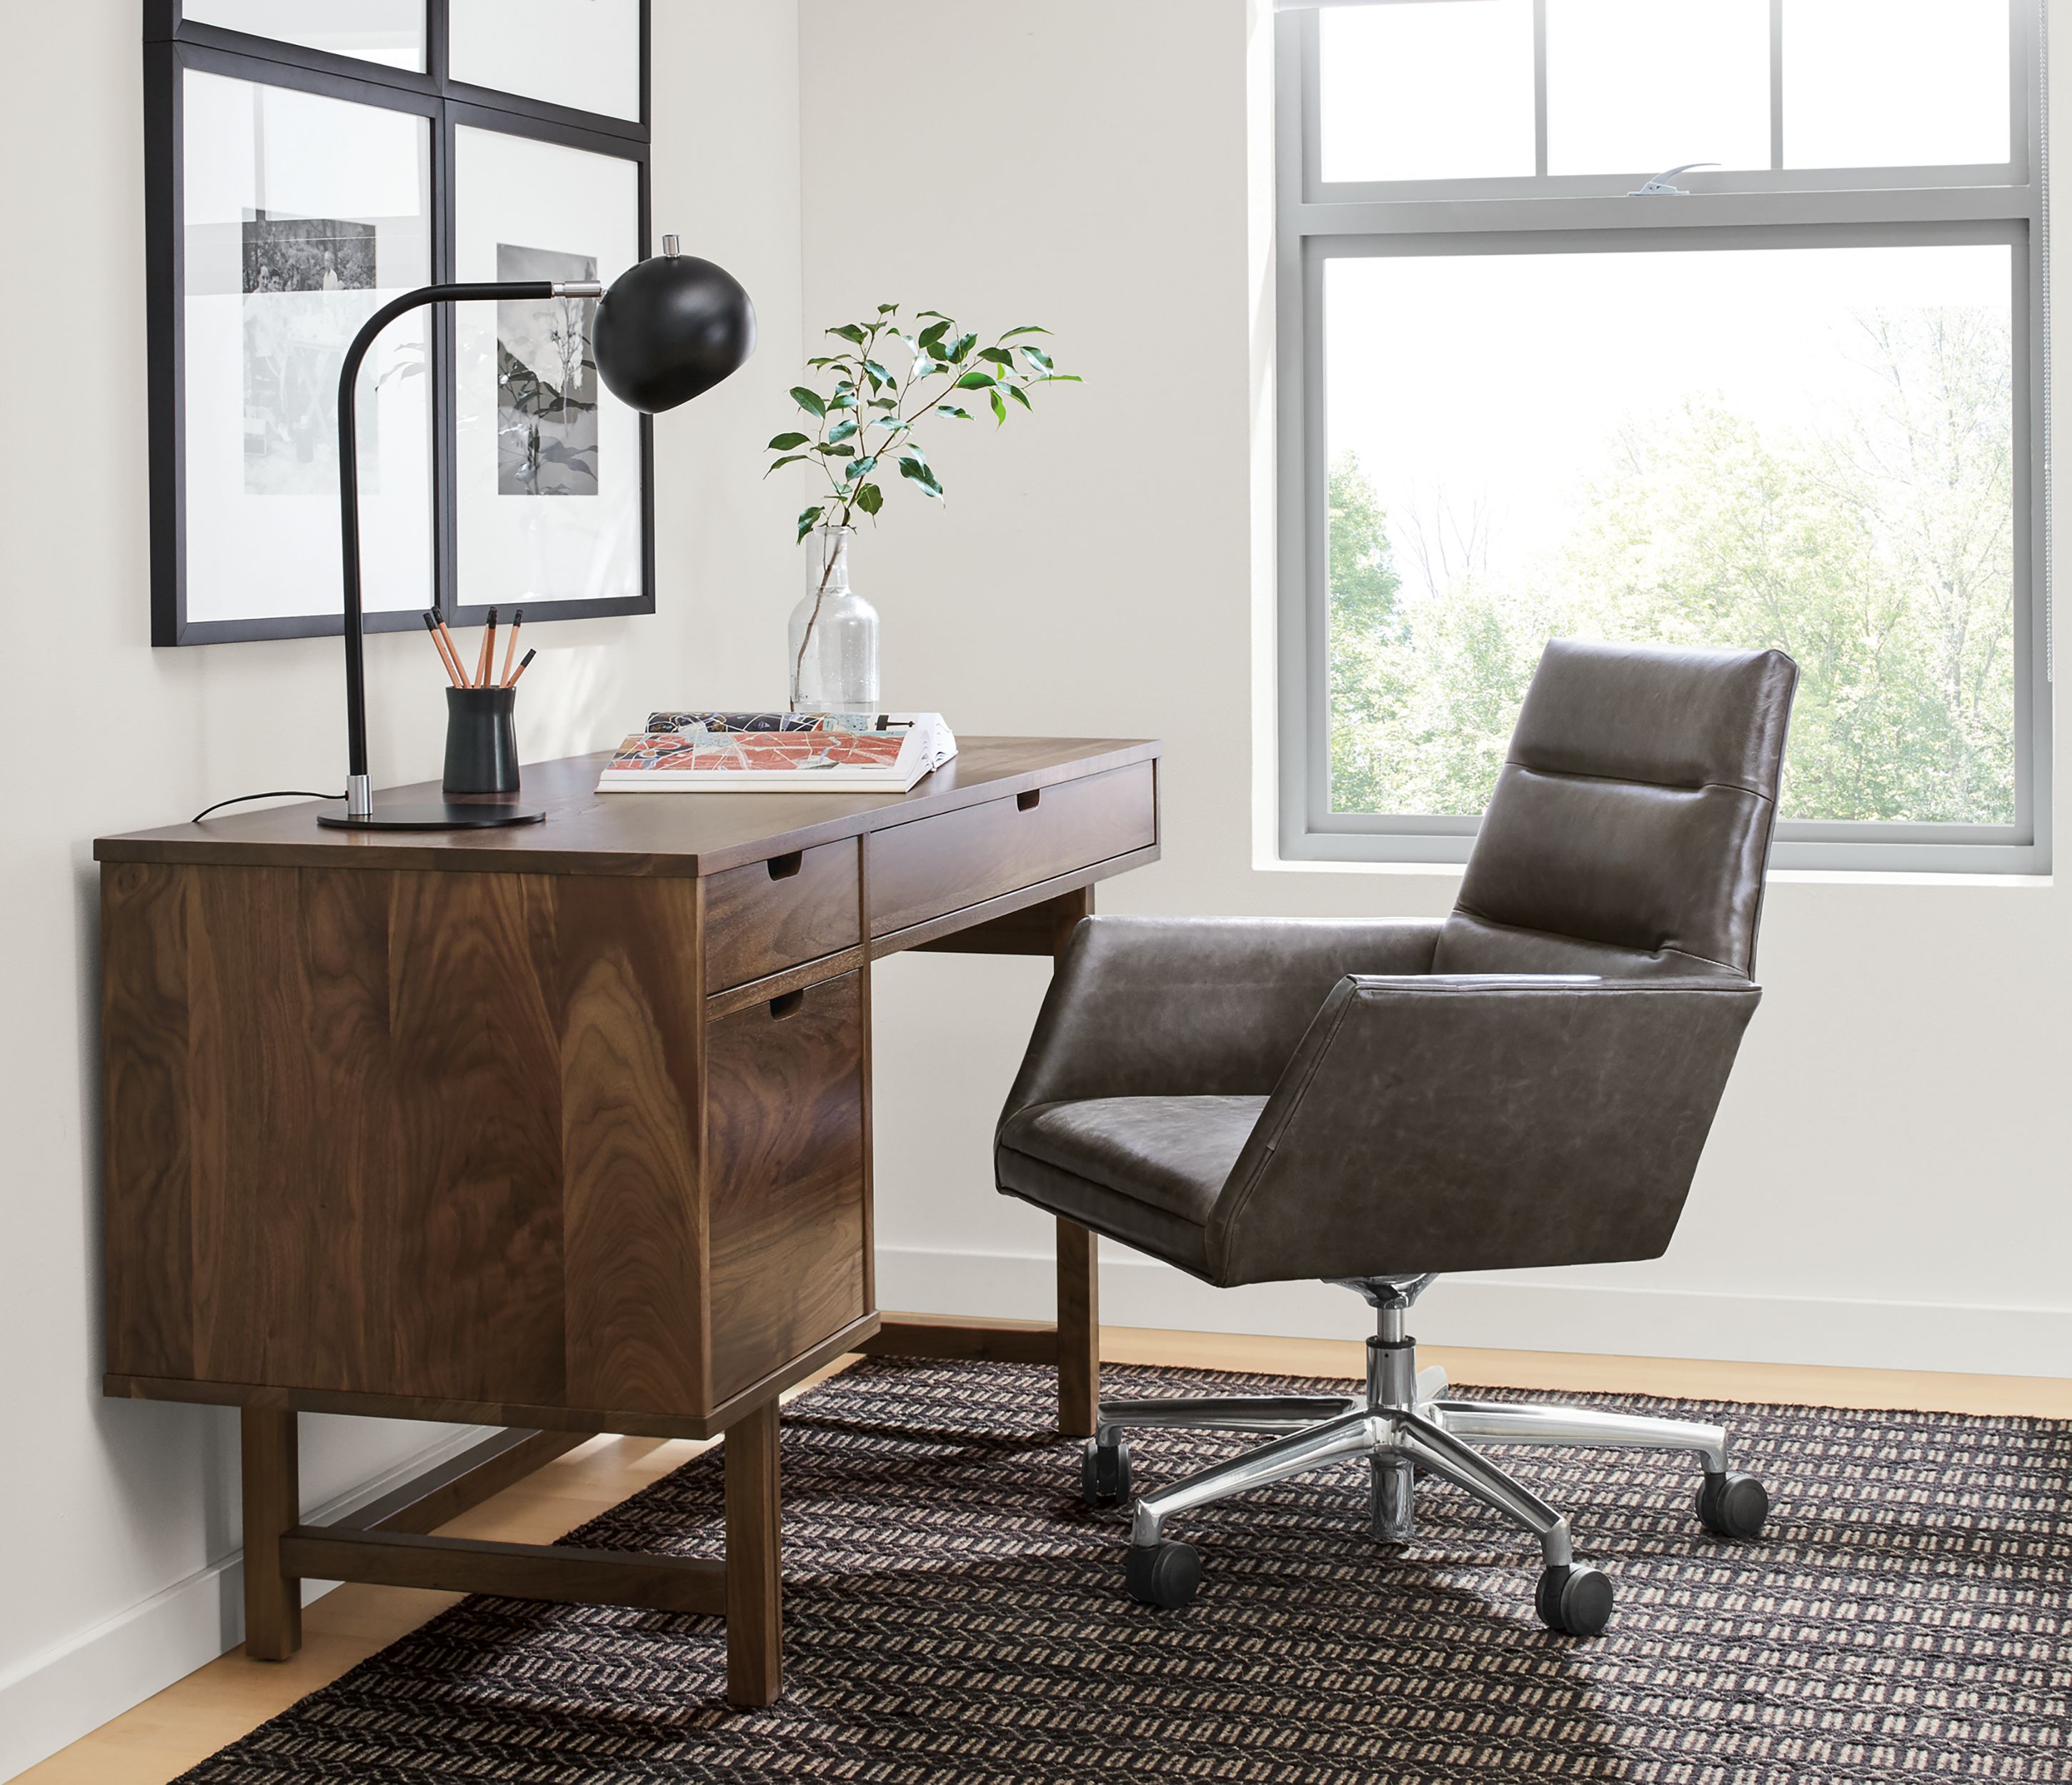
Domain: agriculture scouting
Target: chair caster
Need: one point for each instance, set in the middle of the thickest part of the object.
(1166, 1574)
(1104, 1472)
(1733, 1506)
(1577, 1601)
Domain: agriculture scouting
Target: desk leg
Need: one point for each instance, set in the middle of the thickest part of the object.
(1079, 1274)
(1078, 1330)
(273, 1506)
(1074, 1343)
(754, 1585)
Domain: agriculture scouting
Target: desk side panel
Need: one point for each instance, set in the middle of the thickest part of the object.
(414, 1135)
(375, 1113)
(632, 1055)
(467, 1222)
(146, 1187)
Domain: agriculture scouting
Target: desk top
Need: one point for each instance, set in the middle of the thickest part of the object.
(668, 835)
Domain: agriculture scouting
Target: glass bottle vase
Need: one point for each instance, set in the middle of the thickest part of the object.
(834, 636)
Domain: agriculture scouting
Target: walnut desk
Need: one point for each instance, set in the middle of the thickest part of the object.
(565, 1129)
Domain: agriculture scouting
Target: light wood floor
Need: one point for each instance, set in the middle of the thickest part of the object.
(214, 1704)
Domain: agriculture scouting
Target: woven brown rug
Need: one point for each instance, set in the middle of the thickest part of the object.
(953, 1612)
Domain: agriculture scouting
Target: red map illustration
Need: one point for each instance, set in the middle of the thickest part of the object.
(737, 752)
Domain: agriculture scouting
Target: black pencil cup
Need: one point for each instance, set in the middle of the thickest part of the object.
(482, 741)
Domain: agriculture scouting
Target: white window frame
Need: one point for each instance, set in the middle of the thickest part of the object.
(1317, 221)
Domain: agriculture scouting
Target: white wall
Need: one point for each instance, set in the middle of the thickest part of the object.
(1887, 1183)
(118, 1521)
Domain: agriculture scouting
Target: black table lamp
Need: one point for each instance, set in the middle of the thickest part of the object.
(668, 329)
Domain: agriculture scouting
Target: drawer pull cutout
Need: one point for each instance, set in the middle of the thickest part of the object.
(783, 867)
(1028, 802)
(786, 1004)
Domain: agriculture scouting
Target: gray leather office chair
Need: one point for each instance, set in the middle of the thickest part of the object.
(1528, 1082)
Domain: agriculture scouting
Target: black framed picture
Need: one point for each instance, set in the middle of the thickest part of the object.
(552, 491)
(296, 181)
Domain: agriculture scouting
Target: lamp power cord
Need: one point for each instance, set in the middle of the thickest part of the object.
(278, 793)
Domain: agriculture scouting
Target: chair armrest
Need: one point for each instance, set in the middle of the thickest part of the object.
(1175, 1006)
(1451, 1122)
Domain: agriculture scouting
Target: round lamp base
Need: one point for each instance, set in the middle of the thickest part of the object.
(444, 816)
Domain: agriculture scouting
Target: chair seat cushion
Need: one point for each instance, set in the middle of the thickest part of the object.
(1144, 1171)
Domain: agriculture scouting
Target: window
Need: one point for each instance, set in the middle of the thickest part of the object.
(1796, 399)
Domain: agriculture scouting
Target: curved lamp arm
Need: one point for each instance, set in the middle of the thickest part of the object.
(668, 330)
(359, 795)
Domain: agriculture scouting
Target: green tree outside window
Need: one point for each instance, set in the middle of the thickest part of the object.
(1878, 551)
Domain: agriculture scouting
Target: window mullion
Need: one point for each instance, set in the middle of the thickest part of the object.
(1310, 112)
(1932, 207)
(1777, 86)
(1540, 88)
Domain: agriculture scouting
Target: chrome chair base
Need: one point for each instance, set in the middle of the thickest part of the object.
(1405, 1426)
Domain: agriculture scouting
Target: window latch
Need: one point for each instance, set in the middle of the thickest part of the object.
(1660, 185)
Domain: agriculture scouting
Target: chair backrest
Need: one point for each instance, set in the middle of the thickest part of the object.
(1631, 821)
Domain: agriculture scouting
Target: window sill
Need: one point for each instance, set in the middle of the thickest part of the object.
(1275, 864)
(1882, 877)
(1776, 877)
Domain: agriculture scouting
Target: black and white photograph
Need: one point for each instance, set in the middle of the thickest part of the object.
(309, 286)
(547, 438)
(298, 214)
(533, 418)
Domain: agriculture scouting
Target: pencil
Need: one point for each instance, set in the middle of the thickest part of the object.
(488, 651)
(523, 663)
(446, 662)
(453, 650)
(511, 647)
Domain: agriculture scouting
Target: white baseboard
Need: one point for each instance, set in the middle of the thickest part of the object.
(59, 1695)
(1513, 1312)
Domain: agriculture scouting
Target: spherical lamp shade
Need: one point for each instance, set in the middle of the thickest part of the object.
(670, 328)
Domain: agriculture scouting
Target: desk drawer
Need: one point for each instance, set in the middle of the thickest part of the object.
(772, 915)
(784, 1162)
(937, 865)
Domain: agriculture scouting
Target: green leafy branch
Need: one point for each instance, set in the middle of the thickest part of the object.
(871, 413)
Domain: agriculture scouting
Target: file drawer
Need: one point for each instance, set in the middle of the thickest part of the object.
(784, 1125)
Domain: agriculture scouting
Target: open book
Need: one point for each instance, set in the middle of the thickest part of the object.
(778, 752)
